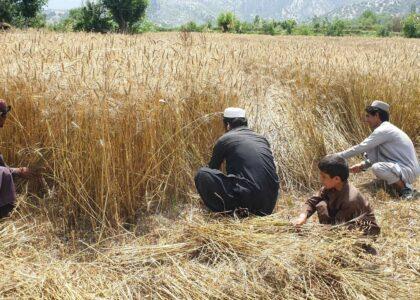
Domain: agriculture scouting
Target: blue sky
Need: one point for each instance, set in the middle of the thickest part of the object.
(63, 4)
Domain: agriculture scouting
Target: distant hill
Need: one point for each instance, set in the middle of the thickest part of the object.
(393, 7)
(55, 15)
(177, 12)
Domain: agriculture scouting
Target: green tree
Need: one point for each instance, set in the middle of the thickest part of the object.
(7, 11)
(126, 13)
(94, 17)
(243, 27)
(209, 25)
(191, 27)
(257, 20)
(316, 24)
(368, 20)
(29, 9)
(39, 21)
(411, 26)
(288, 25)
(240, 27)
(257, 24)
(226, 21)
(269, 27)
(383, 31)
(319, 24)
(304, 29)
(336, 28)
(144, 25)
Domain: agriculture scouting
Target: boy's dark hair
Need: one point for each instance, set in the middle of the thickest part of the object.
(383, 115)
(334, 165)
(235, 122)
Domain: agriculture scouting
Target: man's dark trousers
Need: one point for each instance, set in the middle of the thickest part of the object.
(225, 193)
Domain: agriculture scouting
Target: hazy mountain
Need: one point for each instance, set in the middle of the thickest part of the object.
(393, 7)
(55, 15)
(177, 12)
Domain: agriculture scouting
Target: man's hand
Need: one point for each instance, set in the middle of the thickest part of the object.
(356, 168)
(23, 172)
(300, 221)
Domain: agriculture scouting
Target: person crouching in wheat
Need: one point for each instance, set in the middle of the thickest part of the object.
(7, 186)
(388, 150)
(251, 184)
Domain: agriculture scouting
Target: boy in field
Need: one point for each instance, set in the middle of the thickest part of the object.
(338, 201)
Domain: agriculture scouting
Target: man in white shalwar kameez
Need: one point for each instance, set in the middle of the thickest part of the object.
(388, 150)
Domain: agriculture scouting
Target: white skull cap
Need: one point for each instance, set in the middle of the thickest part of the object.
(234, 112)
(381, 105)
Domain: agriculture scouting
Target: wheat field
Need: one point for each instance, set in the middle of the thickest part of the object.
(116, 126)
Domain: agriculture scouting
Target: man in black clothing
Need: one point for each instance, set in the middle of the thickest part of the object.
(251, 182)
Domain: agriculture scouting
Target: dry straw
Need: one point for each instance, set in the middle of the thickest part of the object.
(200, 258)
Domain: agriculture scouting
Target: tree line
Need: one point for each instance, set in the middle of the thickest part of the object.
(129, 16)
(369, 23)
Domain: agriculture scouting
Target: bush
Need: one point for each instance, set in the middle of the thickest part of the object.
(243, 27)
(304, 30)
(94, 17)
(319, 25)
(208, 25)
(411, 26)
(269, 27)
(227, 21)
(144, 26)
(336, 28)
(39, 21)
(368, 20)
(288, 25)
(383, 31)
(191, 27)
(257, 23)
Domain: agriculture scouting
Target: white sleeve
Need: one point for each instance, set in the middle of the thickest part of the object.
(377, 138)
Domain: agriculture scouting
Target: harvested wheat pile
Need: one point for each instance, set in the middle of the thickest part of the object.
(194, 256)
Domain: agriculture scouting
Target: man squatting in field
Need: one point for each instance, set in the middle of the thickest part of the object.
(388, 150)
(251, 184)
(7, 186)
